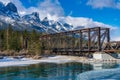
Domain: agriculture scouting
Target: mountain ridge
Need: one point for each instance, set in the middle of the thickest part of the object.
(9, 15)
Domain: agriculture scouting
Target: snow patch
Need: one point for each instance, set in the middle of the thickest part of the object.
(105, 74)
(7, 61)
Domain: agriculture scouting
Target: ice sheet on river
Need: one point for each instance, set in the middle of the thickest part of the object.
(105, 74)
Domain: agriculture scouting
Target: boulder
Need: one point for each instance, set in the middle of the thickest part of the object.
(37, 57)
(18, 57)
(1, 57)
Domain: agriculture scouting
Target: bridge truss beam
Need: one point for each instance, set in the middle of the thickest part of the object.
(83, 40)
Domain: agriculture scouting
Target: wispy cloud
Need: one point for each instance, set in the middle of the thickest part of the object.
(51, 7)
(86, 22)
(5, 1)
(116, 39)
(45, 8)
(104, 3)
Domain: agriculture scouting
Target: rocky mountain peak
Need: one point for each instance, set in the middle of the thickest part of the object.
(36, 14)
(10, 6)
(32, 17)
(45, 19)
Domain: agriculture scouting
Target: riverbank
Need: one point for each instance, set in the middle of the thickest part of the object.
(11, 61)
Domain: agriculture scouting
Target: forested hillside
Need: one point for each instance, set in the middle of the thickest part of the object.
(14, 42)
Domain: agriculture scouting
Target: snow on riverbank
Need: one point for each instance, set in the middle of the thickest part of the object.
(8, 61)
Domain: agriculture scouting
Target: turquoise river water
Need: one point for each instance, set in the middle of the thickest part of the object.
(66, 71)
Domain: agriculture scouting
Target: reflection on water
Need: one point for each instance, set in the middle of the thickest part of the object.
(108, 72)
(48, 71)
(104, 66)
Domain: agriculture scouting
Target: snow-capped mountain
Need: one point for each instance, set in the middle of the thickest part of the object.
(9, 15)
(57, 26)
(9, 10)
(34, 17)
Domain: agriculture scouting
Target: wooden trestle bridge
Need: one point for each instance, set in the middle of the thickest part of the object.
(81, 41)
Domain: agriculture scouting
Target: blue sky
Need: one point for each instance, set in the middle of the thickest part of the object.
(81, 8)
(89, 13)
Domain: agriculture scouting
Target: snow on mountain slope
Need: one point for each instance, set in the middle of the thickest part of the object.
(9, 15)
(56, 25)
